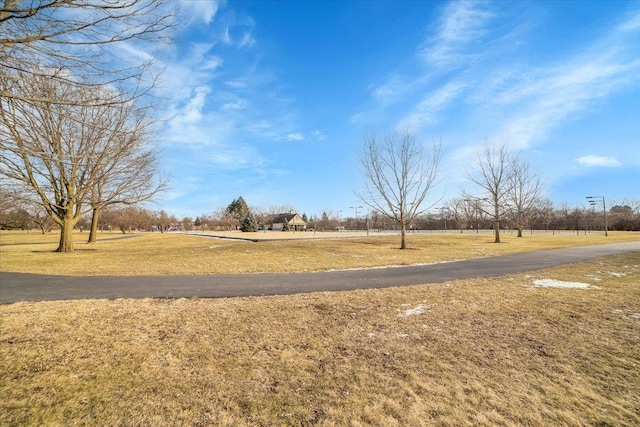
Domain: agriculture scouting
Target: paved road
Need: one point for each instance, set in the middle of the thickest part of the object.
(16, 287)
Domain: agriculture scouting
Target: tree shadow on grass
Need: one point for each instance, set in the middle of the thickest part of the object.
(56, 252)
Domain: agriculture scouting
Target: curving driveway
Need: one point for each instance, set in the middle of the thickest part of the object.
(16, 287)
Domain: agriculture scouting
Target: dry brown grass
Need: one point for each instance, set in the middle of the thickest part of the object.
(160, 254)
(474, 352)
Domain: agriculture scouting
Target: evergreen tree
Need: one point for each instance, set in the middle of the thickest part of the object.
(238, 209)
(324, 222)
(249, 223)
(285, 226)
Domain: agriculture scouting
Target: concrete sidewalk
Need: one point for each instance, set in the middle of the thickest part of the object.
(16, 287)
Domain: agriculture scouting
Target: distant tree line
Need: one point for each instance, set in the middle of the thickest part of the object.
(456, 215)
(461, 216)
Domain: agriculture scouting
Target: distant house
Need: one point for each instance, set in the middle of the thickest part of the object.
(295, 222)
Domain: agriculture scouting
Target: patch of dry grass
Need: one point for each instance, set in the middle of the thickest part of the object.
(160, 254)
(474, 352)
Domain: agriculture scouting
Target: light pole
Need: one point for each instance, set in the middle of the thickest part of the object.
(367, 224)
(356, 208)
(596, 200)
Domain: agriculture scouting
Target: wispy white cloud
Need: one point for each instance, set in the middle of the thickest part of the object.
(246, 40)
(192, 112)
(226, 37)
(632, 23)
(231, 101)
(265, 127)
(529, 102)
(463, 24)
(428, 110)
(319, 136)
(395, 88)
(201, 9)
(212, 63)
(136, 51)
(220, 102)
(538, 101)
(237, 84)
(599, 161)
(295, 137)
(237, 31)
(459, 29)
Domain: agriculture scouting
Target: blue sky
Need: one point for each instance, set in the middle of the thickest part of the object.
(271, 100)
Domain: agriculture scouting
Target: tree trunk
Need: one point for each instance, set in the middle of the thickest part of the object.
(66, 236)
(519, 231)
(496, 227)
(94, 225)
(403, 236)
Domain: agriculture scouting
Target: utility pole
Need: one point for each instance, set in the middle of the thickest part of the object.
(356, 208)
(596, 200)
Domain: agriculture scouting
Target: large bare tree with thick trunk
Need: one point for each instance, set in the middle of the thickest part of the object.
(71, 157)
(59, 60)
(399, 173)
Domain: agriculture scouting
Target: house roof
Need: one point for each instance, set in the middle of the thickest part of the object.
(288, 217)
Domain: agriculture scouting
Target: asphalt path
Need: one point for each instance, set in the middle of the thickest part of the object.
(16, 287)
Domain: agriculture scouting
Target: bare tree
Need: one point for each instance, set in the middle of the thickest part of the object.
(40, 217)
(127, 166)
(525, 192)
(221, 220)
(10, 204)
(59, 154)
(325, 222)
(399, 173)
(81, 42)
(163, 220)
(124, 218)
(633, 203)
(13, 215)
(462, 212)
(543, 213)
(492, 173)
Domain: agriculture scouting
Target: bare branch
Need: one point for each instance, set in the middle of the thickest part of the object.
(81, 42)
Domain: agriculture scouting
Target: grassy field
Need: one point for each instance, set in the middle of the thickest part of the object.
(475, 352)
(170, 253)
